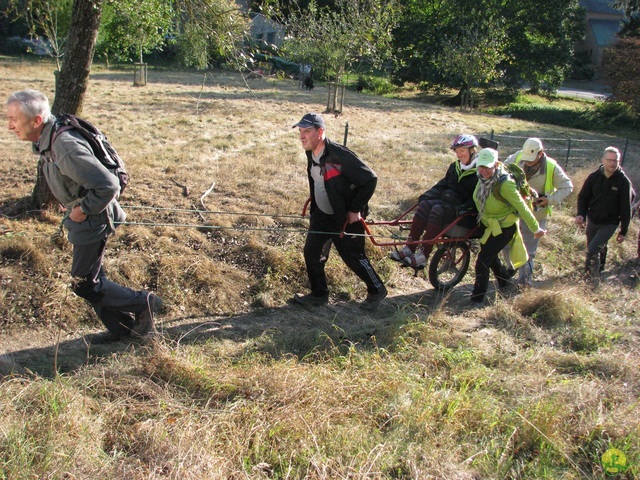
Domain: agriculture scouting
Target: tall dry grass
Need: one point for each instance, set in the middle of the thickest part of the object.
(243, 385)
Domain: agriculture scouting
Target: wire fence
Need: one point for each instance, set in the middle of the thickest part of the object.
(572, 153)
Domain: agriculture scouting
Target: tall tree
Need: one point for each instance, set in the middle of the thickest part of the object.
(209, 31)
(47, 18)
(542, 37)
(470, 58)
(331, 39)
(631, 22)
(622, 72)
(539, 41)
(73, 78)
(130, 28)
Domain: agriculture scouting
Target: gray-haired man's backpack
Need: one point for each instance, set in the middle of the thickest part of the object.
(102, 149)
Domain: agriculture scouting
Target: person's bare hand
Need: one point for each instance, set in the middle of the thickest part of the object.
(353, 217)
(77, 215)
(539, 234)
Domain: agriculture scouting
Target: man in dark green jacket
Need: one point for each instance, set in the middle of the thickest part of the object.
(89, 193)
(604, 202)
(340, 186)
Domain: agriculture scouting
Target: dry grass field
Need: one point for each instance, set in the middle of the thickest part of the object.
(241, 384)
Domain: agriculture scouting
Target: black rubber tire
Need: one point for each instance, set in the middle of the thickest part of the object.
(449, 265)
(117, 322)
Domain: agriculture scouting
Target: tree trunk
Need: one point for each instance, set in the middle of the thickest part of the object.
(73, 77)
(72, 80)
(41, 197)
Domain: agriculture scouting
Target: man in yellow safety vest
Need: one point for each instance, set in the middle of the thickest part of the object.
(549, 180)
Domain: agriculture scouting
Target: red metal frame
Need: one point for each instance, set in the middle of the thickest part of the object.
(400, 220)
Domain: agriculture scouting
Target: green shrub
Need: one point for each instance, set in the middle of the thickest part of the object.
(601, 116)
(375, 85)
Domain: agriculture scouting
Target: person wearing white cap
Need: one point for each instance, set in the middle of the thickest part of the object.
(552, 185)
(500, 206)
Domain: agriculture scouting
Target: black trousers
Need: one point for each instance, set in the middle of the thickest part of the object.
(325, 227)
(489, 260)
(91, 283)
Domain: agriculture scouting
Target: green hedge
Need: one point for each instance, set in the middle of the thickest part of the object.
(601, 116)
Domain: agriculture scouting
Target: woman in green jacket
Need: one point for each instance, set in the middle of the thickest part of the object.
(499, 215)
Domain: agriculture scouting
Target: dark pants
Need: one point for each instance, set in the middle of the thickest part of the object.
(489, 260)
(324, 227)
(430, 218)
(598, 236)
(90, 281)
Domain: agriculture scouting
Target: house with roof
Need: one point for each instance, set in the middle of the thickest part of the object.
(264, 29)
(603, 22)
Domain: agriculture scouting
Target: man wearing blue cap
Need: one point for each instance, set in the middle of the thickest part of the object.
(340, 186)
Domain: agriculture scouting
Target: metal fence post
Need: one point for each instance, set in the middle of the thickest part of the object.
(624, 152)
(566, 161)
(346, 133)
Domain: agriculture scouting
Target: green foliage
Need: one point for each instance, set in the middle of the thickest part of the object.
(537, 48)
(582, 69)
(606, 116)
(48, 18)
(375, 84)
(332, 39)
(210, 31)
(130, 28)
(623, 72)
(472, 56)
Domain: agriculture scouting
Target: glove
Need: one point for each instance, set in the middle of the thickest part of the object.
(463, 209)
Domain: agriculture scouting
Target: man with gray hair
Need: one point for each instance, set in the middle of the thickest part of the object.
(88, 191)
(552, 185)
(604, 202)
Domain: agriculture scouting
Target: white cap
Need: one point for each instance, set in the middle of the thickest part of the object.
(530, 149)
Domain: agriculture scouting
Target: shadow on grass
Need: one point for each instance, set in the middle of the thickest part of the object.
(278, 332)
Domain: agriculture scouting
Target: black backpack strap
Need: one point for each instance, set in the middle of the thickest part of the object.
(57, 129)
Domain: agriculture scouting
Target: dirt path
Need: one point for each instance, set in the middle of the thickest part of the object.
(44, 351)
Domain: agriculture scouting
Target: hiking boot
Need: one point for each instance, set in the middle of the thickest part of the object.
(416, 261)
(592, 265)
(311, 300)
(373, 299)
(145, 321)
(504, 280)
(400, 255)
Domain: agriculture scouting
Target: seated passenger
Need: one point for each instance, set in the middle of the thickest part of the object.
(442, 203)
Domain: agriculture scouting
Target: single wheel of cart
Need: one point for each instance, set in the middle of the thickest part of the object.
(449, 265)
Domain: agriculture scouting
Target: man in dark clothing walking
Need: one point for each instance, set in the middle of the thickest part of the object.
(604, 202)
(340, 186)
(88, 192)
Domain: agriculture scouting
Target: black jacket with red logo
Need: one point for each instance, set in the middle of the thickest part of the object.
(349, 181)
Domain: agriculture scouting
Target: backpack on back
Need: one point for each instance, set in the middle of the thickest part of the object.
(515, 172)
(102, 149)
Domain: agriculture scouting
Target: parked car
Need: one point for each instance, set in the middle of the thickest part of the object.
(20, 45)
